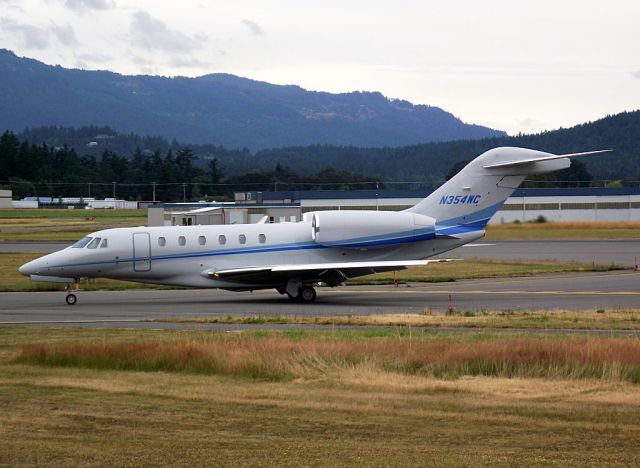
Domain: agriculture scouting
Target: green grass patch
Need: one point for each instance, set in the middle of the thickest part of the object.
(475, 268)
(616, 319)
(563, 230)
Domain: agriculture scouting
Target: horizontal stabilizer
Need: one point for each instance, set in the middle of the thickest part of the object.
(550, 157)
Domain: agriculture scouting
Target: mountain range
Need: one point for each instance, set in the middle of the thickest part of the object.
(218, 109)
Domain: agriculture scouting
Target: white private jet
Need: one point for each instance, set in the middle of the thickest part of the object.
(325, 247)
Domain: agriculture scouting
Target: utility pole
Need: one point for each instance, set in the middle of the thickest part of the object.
(184, 192)
(154, 191)
(114, 190)
(89, 188)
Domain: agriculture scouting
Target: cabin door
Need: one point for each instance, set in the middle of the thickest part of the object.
(141, 251)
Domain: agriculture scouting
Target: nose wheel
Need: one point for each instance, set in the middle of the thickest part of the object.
(71, 299)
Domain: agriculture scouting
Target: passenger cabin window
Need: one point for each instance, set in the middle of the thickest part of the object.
(262, 238)
(182, 240)
(222, 239)
(81, 243)
(202, 240)
(104, 244)
(94, 243)
(162, 241)
(242, 239)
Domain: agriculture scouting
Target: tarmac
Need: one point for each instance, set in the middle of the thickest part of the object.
(139, 308)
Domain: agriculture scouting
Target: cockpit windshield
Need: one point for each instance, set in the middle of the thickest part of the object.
(81, 243)
(94, 243)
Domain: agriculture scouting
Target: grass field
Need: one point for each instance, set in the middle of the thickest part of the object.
(525, 320)
(476, 268)
(63, 225)
(564, 230)
(127, 397)
(11, 280)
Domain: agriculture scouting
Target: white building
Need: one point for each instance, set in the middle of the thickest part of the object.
(555, 204)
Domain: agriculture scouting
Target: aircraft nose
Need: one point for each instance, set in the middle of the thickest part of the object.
(26, 269)
(30, 268)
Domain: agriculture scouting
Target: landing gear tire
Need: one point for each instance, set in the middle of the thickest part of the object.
(71, 299)
(307, 294)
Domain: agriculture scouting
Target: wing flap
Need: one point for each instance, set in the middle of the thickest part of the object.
(320, 268)
(551, 157)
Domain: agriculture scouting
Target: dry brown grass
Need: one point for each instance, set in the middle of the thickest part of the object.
(352, 415)
(277, 358)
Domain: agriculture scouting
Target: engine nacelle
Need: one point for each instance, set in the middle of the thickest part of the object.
(367, 229)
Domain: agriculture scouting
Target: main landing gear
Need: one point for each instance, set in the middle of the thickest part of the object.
(306, 294)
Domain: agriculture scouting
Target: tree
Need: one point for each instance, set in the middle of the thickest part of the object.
(195, 192)
(457, 167)
(184, 162)
(215, 171)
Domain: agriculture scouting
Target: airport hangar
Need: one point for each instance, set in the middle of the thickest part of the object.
(554, 204)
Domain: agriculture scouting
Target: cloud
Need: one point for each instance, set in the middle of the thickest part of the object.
(187, 62)
(83, 5)
(65, 34)
(636, 74)
(32, 37)
(152, 34)
(253, 27)
(38, 37)
(94, 57)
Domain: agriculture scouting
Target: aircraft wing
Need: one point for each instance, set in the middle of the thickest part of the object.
(519, 162)
(330, 273)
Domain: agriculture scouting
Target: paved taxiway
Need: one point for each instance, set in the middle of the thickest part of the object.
(587, 291)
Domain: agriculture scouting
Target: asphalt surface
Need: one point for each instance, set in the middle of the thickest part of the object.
(621, 252)
(43, 247)
(137, 308)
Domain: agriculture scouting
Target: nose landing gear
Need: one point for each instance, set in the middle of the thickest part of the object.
(71, 298)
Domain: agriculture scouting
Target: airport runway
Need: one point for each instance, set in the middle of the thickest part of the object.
(585, 291)
(621, 252)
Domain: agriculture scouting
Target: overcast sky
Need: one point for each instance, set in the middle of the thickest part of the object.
(520, 66)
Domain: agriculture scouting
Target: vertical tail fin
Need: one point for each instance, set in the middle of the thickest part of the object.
(474, 195)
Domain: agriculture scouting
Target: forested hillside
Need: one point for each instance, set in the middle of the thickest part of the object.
(218, 109)
(424, 163)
